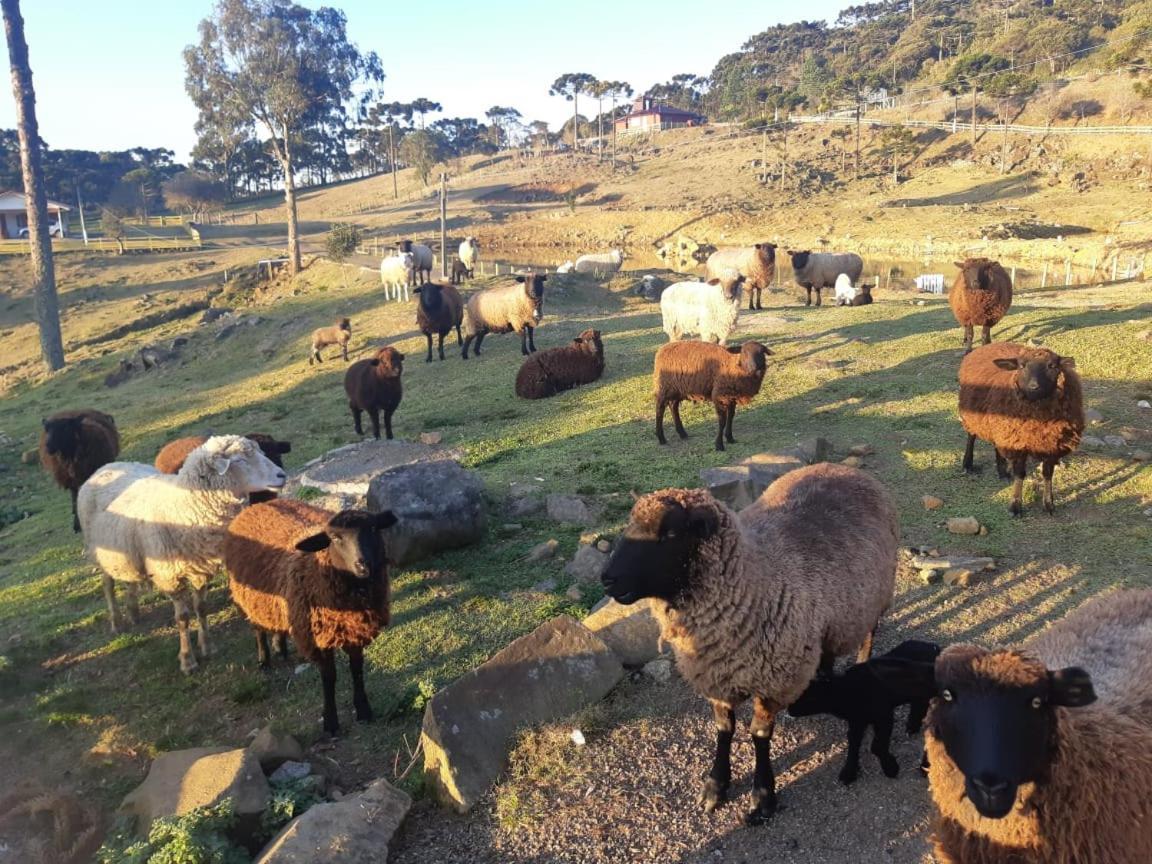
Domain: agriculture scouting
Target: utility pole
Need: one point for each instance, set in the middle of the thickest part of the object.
(392, 161)
(443, 225)
(973, 115)
(80, 208)
(857, 136)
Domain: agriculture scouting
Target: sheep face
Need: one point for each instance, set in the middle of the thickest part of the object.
(731, 284)
(799, 259)
(977, 273)
(388, 363)
(1037, 373)
(589, 340)
(753, 357)
(430, 295)
(654, 555)
(353, 541)
(345, 324)
(239, 460)
(766, 252)
(61, 435)
(405, 245)
(534, 290)
(995, 716)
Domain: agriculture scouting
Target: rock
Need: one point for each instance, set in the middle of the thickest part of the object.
(963, 525)
(587, 564)
(30, 457)
(861, 450)
(947, 563)
(813, 450)
(577, 738)
(604, 545)
(764, 469)
(524, 506)
(929, 576)
(438, 505)
(1144, 403)
(290, 770)
(344, 474)
(183, 780)
(1140, 456)
(571, 510)
(543, 551)
(469, 725)
(1093, 416)
(574, 593)
(431, 438)
(852, 461)
(1091, 442)
(659, 669)
(1115, 441)
(511, 527)
(960, 577)
(272, 749)
(632, 632)
(354, 830)
(931, 502)
(729, 484)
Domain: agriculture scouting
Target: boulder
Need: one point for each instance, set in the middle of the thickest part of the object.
(659, 669)
(438, 505)
(344, 474)
(764, 469)
(431, 438)
(729, 484)
(289, 771)
(961, 577)
(632, 632)
(963, 525)
(587, 564)
(272, 749)
(1091, 442)
(355, 830)
(813, 450)
(571, 510)
(470, 725)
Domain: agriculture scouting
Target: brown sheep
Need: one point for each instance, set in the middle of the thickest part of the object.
(1044, 755)
(704, 372)
(373, 385)
(981, 294)
(757, 263)
(320, 577)
(441, 308)
(339, 333)
(506, 308)
(171, 457)
(558, 369)
(460, 272)
(1024, 402)
(73, 445)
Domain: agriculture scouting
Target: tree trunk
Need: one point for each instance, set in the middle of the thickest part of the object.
(575, 114)
(600, 129)
(290, 206)
(43, 272)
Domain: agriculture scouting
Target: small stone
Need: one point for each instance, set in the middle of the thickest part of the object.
(604, 545)
(1091, 442)
(960, 577)
(861, 450)
(574, 593)
(1093, 416)
(983, 532)
(30, 457)
(929, 576)
(578, 738)
(1115, 441)
(543, 551)
(659, 669)
(921, 302)
(290, 770)
(511, 527)
(587, 564)
(431, 438)
(1141, 456)
(963, 525)
(571, 509)
(852, 461)
(273, 748)
(931, 502)
(1144, 403)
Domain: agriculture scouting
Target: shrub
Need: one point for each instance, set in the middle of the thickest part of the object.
(198, 837)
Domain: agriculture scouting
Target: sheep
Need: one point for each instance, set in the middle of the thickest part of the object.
(171, 457)
(845, 290)
(143, 526)
(868, 693)
(754, 603)
(420, 270)
(125, 369)
(600, 263)
(73, 444)
(709, 309)
(373, 385)
(817, 270)
(394, 272)
(863, 296)
(339, 333)
(650, 287)
(506, 308)
(558, 369)
(441, 308)
(469, 254)
(701, 371)
(1044, 755)
(1024, 402)
(981, 294)
(756, 263)
(321, 577)
(460, 272)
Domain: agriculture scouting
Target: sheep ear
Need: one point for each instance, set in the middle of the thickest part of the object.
(703, 521)
(713, 281)
(1068, 364)
(1008, 364)
(220, 464)
(959, 265)
(313, 542)
(1070, 687)
(384, 520)
(283, 447)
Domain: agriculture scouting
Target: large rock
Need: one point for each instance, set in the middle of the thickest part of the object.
(587, 564)
(343, 475)
(273, 748)
(354, 830)
(632, 632)
(183, 780)
(572, 510)
(813, 450)
(764, 469)
(470, 725)
(729, 484)
(438, 505)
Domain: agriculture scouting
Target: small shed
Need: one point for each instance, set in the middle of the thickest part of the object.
(14, 215)
(649, 115)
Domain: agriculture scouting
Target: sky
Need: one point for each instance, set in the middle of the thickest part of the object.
(110, 76)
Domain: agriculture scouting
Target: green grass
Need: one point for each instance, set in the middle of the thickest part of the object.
(70, 688)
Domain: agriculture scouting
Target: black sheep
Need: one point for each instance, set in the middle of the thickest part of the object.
(460, 272)
(74, 444)
(373, 385)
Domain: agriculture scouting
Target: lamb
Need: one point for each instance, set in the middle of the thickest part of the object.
(868, 693)
(394, 272)
(600, 263)
(754, 603)
(558, 369)
(420, 270)
(863, 296)
(339, 333)
(440, 309)
(506, 308)
(756, 263)
(1044, 755)
(460, 272)
(321, 577)
(845, 290)
(143, 526)
(818, 270)
(701, 371)
(469, 254)
(373, 385)
(73, 445)
(1024, 402)
(172, 455)
(981, 294)
(709, 309)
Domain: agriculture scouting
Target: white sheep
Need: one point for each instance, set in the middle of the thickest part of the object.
(566, 267)
(394, 274)
(469, 253)
(143, 526)
(600, 264)
(709, 309)
(845, 290)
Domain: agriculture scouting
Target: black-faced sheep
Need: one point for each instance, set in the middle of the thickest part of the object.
(373, 385)
(440, 310)
(981, 295)
(814, 271)
(868, 694)
(557, 369)
(73, 445)
(755, 603)
(703, 372)
(1044, 755)
(506, 308)
(339, 333)
(756, 263)
(171, 457)
(1024, 402)
(320, 577)
(709, 309)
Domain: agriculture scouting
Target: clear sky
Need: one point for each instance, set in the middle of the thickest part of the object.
(109, 75)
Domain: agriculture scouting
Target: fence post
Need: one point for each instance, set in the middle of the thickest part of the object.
(1068, 271)
(1013, 275)
(1115, 261)
(1044, 277)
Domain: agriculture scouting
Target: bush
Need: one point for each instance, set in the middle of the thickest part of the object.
(198, 837)
(342, 242)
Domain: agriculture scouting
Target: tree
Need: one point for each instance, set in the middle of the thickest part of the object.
(423, 106)
(617, 90)
(420, 151)
(43, 271)
(570, 85)
(1007, 87)
(502, 120)
(341, 243)
(895, 143)
(194, 192)
(286, 67)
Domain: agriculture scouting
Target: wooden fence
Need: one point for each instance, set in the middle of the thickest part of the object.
(109, 246)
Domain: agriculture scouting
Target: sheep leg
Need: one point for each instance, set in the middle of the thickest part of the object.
(968, 338)
(357, 414)
(327, 663)
(1002, 466)
(374, 414)
(864, 653)
(680, 430)
(262, 659)
(916, 714)
(459, 338)
(817, 290)
(987, 334)
(115, 622)
(183, 617)
(968, 456)
(721, 419)
(359, 697)
(532, 339)
(200, 607)
(661, 404)
(75, 515)
(808, 295)
(728, 424)
(479, 338)
(387, 424)
(344, 351)
(851, 769)
(827, 664)
(467, 342)
(281, 640)
(441, 347)
(1048, 467)
(763, 779)
(428, 359)
(524, 341)
(133, 592)
(1019, 471)
(882, 746)
(715, 790)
